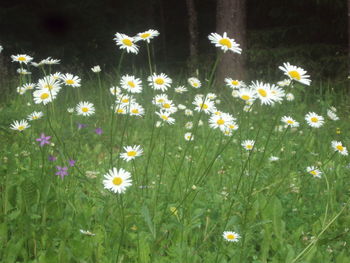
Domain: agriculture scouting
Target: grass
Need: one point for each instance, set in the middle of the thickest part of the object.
(184, 194)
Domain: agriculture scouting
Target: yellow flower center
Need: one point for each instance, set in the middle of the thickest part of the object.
(164, 117)
(22, 59)
(161, 100)
(225, 42)
(35, 117)
(262, 92)
(135, 111)
(249, 146)
(120, 110)
(245, 97)
(70, 81)
(21, 128)
(159, 81)
(230, 236)
(340, 148)
(131, 84)
(145, 35)
(117, 181)
(131, 153)
(204, 106)
(49, 87)
(85, 109)
(313, 172)
(125, 100)
(195, 84)
(44, 96)
(290, 121)
(294, 74)
(127, 42)
(235, 82)
(166, 105)
(220, 122)
(232, 126)
(314, 119)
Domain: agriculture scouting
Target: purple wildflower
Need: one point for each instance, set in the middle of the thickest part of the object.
(52, 158)
(81, 126)
(62, 171)
(99, 131)
(71, 162)
(43, 139)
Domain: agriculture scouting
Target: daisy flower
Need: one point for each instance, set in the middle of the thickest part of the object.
(125, 99)
(263, 92)
(159, 82)
(180, 89)
(121, 109)
(234, 84)
(221, 121)
(295, 73)
(189, 125)
(181, 107)
(96, 69)
(19, 125)
(314, 120)
(205, 105)
(131, 152)
(231, 236)
(314, 171)
(169, 106)
(278, 94)
(50, 84)
(23, 71)
(115, 90)
(50, 61)
(224, 42)
(246, 94)
(188, 112)
(126, 42)
(165, 116)
(21, 90)
(25, 59)
(338, 147)
(147, 35)
(35, 115)
(85, 108)
(248, 144)
(289, 121)
(70, 80)
(194, 82)
(160, 99)
(284, 83)
(117, 181)
(131, 84)
(28, 86)
(136, 110)
(188, 136)
(212, 96)
(332, 115)
(290, 97)
(43, 96)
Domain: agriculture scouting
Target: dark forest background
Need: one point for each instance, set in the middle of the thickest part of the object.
(312, 34)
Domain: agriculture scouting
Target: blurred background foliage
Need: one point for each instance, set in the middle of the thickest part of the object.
(311, 34)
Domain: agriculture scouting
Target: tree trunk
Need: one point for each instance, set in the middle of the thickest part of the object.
(231, 18)
(193, 31)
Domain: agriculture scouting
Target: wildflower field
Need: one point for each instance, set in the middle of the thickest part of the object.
(147, 167)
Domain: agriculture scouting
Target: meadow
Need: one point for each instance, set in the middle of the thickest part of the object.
(146, 167)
